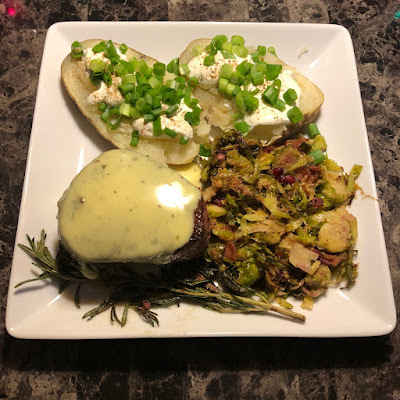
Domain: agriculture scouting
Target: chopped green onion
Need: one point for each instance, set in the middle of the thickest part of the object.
(107, 79)
(170, 132)
(295, 115)
(270, 95)
(237, 116)
(98, 48)
(96, 80)
(193, 117)
(261, 50)
(209, 60)
(104, 116)
(313, 130)
(149, 98)
(171, 110)
(243, 68)
(102, 106)
(157, 128)
(128, 66)
(114, 112)
(144, 69)
(243, 127)
(159, 69)
(251, 103)
(120, 69)
(204, 152)
(227, 46)
(221, 38)
(237, 40)
(134, 62)
(135, 138)
(131, 78)
(184, 69)
(173, 66)
(236, 78)
(76, 49)
(123, 48)
(318, 156)
(240, 51)
(222, 84)
(290, 96)
(271, 50)
(273, 71)
(125, 88)
(197, 50)
(135, 113)
(230, 87)
(193, 81)
(147, 118)
(255, 57)
(228, 55)
(257, 78)
(125, 109)
(181, 80)
(154, 82)
(140, 103)
(184, 140)
(240, 102)
(157, 112)
(280, 104)
(226, 71)
(97, 66)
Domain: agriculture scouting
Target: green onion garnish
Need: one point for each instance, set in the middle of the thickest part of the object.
(222, 84)
(230, 88)
(295, 115)
(243, 127)
(318, 156)
(204, 152)
(107, 79)
(221, 38)
(290, 96)
(226, 71)
(131, 78)
(184, 69)
(240, 51)
(159, 69)
(114, 112)
(144, 69)
(125, 88)
(237, 40)
(227, 46)
(104, 116)
(255, 57)
(135, 113)
(270, 95)
(280, 104)
(157, 112)
(170, 132)
(171, 110)
(135, 138)
(98, 48)
(102, 106)
(261, 50)
(173, 66)
(243, 68)
(184, 140)
(273, 71)
(125, 109)
(140, 103)
(257, 78)
(134, 62)
(251, 103)
(193, 117)
(76, 49)
(123, 48)
(236, 78)
(271, 50)
(147, 118)
(97, 66)
(313, 130)
(154, 82)
(157, 128)
(228, 55)
(193, 81)
(209, 60)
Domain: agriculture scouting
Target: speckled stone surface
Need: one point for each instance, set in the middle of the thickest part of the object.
(366, 368)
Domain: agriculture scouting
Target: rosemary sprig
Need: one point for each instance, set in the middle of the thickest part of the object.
(195, 282)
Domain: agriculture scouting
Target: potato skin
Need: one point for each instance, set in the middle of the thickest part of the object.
(79, 87)
(310, 103)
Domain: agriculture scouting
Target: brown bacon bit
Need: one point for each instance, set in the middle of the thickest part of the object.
(317, 202)
(330, 259)
(295, 143)
(290, 179)
(230, 251)
(220, 156)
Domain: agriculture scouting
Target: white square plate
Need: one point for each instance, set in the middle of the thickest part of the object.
(62, 141)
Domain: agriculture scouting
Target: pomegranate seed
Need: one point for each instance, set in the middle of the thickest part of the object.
(282, 178)
(290, 179)
(277, 172)
(220, 156)
(317, 202)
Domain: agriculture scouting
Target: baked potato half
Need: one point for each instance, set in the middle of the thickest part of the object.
(218, 109)
(79, 86)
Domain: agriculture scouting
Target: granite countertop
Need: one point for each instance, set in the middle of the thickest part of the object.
(257, 368)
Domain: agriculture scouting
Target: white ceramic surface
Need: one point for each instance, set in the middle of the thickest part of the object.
(62, 141)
